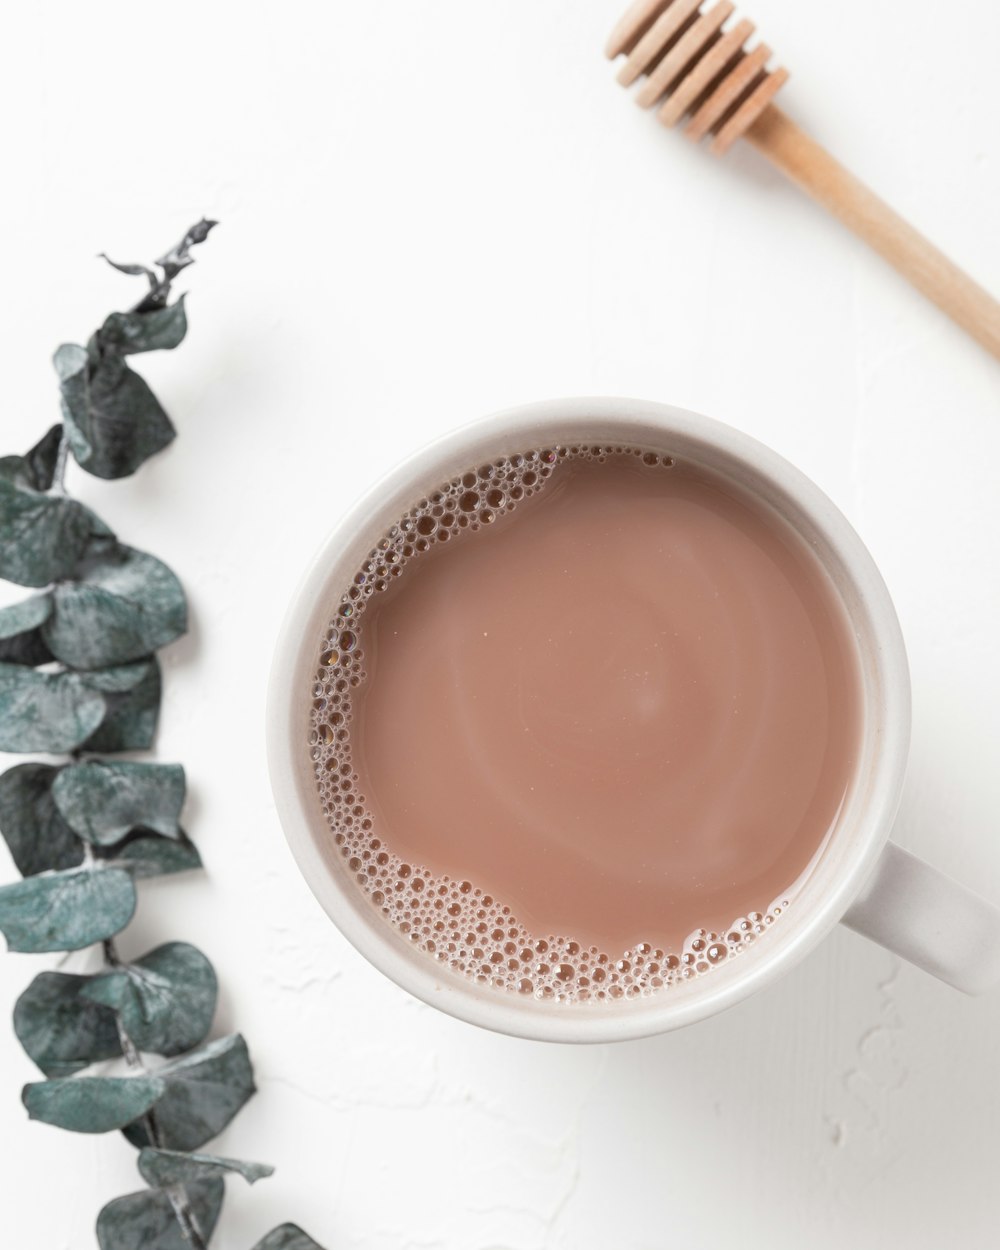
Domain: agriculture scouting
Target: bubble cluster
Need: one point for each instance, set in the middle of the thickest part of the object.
(456, 923)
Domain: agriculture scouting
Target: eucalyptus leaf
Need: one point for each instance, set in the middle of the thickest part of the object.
(18, 618)
(149, 855)
(160, 1168)
(20, 641)
(69, 360)
(146, 1220)
(121, 605)
(179, 256)
(28, 649)
(92, 1104)
(42, 537)
(104, 800)
(17, 471)
(160, 328)
(113, 420)
(130, 720)
(38, 837)
(60, 1030)
(36, 469)
(287, 1237)
(165, 1000)
(66, 911)
(53, 712)
(204, 1091)
(120, 678)
(43, 458)
(134, 271)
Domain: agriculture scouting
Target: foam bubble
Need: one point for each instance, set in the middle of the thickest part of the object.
(455, 922)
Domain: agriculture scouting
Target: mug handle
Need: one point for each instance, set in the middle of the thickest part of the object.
(929, 919)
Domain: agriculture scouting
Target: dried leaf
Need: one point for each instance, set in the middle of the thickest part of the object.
(158, 329)
(204, 1091)
(287, 1237)
(20, 641)
(38, 837)
(61, 1031)
(166, 1000)
(113, 420)
(146, 1220)
(92, 1104)
(28, 614)
(122, 605)
(69, 360)
(65, 911)
(53, 712)
(133, 271)
(42, 459)
(36, 468)
(179, 256)
(102, 801)
(132, 711)
(118, 679)
(160, 1168)
(41, 536)
(149, 855)
(28, 649)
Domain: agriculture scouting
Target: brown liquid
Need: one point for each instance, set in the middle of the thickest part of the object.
(623, 714)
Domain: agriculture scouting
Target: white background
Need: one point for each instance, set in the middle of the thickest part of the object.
(431, 210)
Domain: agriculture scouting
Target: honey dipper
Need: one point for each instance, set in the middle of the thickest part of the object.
(694, 68)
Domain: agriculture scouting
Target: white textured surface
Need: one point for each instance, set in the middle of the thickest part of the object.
(430, 211)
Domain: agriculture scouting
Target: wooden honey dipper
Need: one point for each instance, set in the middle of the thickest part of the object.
(694, 68)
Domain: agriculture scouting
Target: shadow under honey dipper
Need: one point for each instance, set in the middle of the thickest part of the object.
(698, 72)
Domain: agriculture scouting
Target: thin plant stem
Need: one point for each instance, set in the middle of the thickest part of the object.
(176, 1195)
(62, 455)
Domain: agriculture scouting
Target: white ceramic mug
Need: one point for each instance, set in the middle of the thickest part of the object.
(859, 878)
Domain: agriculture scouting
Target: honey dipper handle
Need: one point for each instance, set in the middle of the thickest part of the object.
(813, 169)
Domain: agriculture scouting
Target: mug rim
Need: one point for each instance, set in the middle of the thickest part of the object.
(305, 825)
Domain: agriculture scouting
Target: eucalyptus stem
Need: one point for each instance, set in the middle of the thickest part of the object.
(59, 476)
(176, 1194)
(178, 1199)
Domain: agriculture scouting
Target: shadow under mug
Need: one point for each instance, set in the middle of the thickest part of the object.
(859, 877)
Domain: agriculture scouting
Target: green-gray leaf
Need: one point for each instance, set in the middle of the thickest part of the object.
(132, 712)
(113, 420)
(66, 911)
(165, 1001)
(20, 640)
(28, 649)
(18, 618)
(149, 855)
(69, 360)
(43, 457)
(35, 469)
(287, 1237)
(134, 270)
(120, 678)
(103, 801)
(41, 536)
(146, 1220)
(204, 1091)
(15, 469)
(92, 1104)
(38, 837)
(160, 1168)
(60, 1030)
(121, 605)
(53, 712)
(160, 328)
